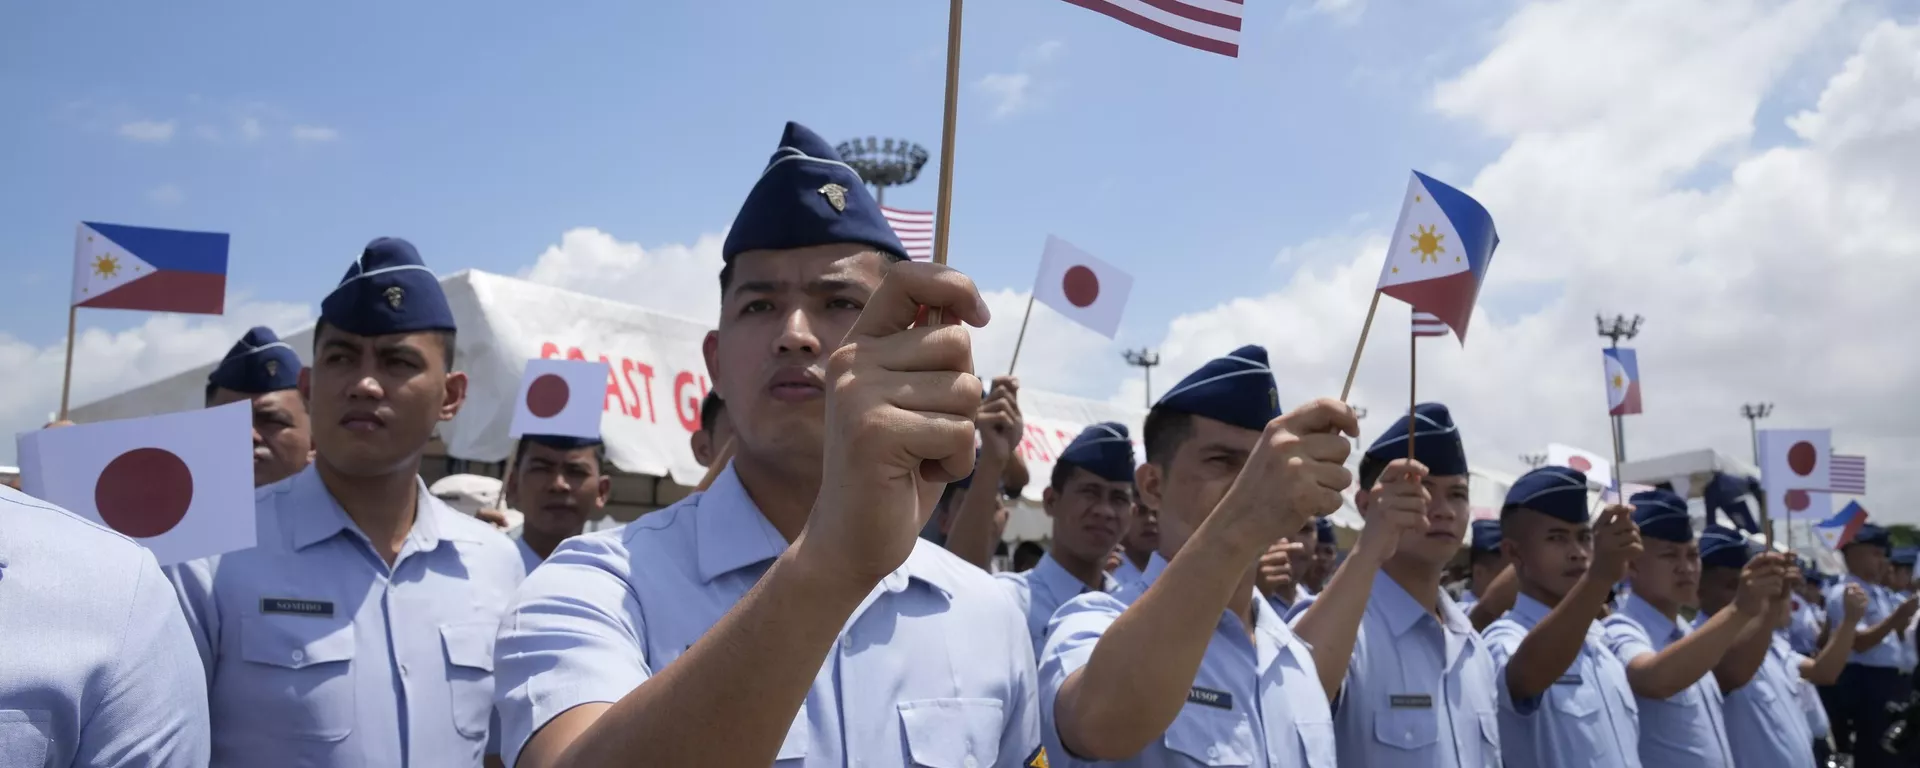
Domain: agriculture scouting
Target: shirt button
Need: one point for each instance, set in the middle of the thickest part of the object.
(299, 656)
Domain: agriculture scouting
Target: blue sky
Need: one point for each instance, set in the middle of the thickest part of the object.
(483, 133)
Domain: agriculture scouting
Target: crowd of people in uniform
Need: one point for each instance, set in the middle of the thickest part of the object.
(828, 600)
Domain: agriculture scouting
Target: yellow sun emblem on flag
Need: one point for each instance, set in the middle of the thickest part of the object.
(1619, 381)
(105, 265)
(1427, 243)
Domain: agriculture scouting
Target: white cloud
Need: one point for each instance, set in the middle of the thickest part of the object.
(1014, 92)
(166, 194)
(148, 131)
(106, 363)
(1777, 283)
(314, 134)
(1342, 11)
(674, 279)
(250, 128)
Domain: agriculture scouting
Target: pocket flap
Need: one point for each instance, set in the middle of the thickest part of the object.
(469, 645)
(295, 642)
(1212, 737)
(953, 733)
(1406, 728)
(26, 735)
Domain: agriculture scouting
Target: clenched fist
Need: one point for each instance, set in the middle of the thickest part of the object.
(1397, 506)
(1276, 566)
(1616, 542)
(999, 421)
(1760, 584)
(1295, 473)
(900, 404)
(1853, 603)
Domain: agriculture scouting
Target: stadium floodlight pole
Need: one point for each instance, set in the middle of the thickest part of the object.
(1614, 330)
(1144, 359)
(1753, 413)
(883, 162)
(1533, 460)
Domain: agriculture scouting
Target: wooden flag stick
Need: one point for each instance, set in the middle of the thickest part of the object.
(66, 380)
(1364, 328)
(942, 219)
(1413, 397)
(718, 465)
(1023, 335)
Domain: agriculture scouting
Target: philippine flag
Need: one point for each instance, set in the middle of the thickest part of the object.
(154, 270)
(1623, 381)
(1836, 531)
(1439, 252)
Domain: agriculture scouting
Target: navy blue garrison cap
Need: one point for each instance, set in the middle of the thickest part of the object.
(1872, 535)
(1662, 515)
(1436, 441)
(1904, 556)
(1557, 492)
(807, 196)
(561, 442)
(1103, 449)
(1485, 536)
(258, 364)
(387, 290)
(1237, 389)
(1323, 531)
(1723, 547)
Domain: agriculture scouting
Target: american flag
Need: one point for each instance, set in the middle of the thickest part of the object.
(1209, 25)
(1849, 475)
(1428, 325)
(915, 230)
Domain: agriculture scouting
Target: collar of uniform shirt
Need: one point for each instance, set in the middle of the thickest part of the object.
(1649, 619)
(732, 533)
(312, 529)
(1061, 582)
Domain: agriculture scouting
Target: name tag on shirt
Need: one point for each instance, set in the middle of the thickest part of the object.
(296, 607)
(1568, 680)
(1208, 697)
(1410, 701)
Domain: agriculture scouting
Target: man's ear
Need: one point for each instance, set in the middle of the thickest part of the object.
(1147, 478)
(456, 395)
(1047, 498)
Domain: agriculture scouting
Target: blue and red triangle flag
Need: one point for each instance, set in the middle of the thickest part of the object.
(1439, 252)
(1623, 381)
(155, 270)
(1837, 531)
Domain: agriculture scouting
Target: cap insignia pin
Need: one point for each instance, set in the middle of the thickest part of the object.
(836, 197)
(273, 367)
(394, 296)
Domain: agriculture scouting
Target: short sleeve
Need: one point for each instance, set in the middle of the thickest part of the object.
(153, 701)
(192, 583)
(1071, 635)
(1503, 641)
(1021, 740)
(573, 636)
(1016, 587)
(1626, 639)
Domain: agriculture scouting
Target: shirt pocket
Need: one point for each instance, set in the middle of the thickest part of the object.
(1406, 727)
(799, 736)
(953, 733)
(469, 675)
(1212, 737)
(25, 737)
(1575, 700)
(1316, 738)
(298, 678)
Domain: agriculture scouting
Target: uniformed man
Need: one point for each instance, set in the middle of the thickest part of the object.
(1419, 687)
(1564, 697)
(713, 435)
(360, 630)
(1485, 560)
(558, 485)
(1682, 713)
(970, 524)
(1193, 668)
(1089, 499)
(263, 369)
(97, 667)
(1807, 617)
(1141, 541)
(716, 632)
(1326, 554)
(1900, 584)
(1284, 568)
(1872, 678)
(1767, 722)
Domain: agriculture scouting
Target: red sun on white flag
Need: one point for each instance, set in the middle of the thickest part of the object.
(557, 398)
(1087, 290)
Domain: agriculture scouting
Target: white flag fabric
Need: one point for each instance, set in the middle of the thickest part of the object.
(563, 398)
(1091, 292)
(1792, 463)
(101, 265)
(1598, 469)
(181, 484)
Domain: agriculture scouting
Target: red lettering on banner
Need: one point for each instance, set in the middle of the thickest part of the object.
(688, 408)
(573, 353)
(614, 392)
(548, 350)
(646, 376)
(1034, 448)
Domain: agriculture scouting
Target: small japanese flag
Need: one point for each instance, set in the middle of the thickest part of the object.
(1599, 470)
(1091, 292)
(180, 484)
(1793, 464)
(563, 398)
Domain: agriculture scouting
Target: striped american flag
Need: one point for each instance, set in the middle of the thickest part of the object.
(915, 230)
(1428, 325)
(1849, 475)
(1209, 25)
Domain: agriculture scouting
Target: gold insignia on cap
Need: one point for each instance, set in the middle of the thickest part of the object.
(1273, 398)
(836, 196)
(395, 295)
(273, 367)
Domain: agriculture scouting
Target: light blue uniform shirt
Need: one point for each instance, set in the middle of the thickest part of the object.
(1767, 722)
(1689, 729)
(1880, 605)
(1804, 625)
(1909, 656)
(1301, 597)
(1467, 599)
(1255, 702)
(96, 665)
(935, 667)
(1588, 717)
(317, 653)
(1128, 574)
(528, 557)
(1420, 689)
(1040, 591)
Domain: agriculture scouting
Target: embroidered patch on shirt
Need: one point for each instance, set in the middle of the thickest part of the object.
(297, 607)
(1410, 701)
(1568, 680)
(1208, 697)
